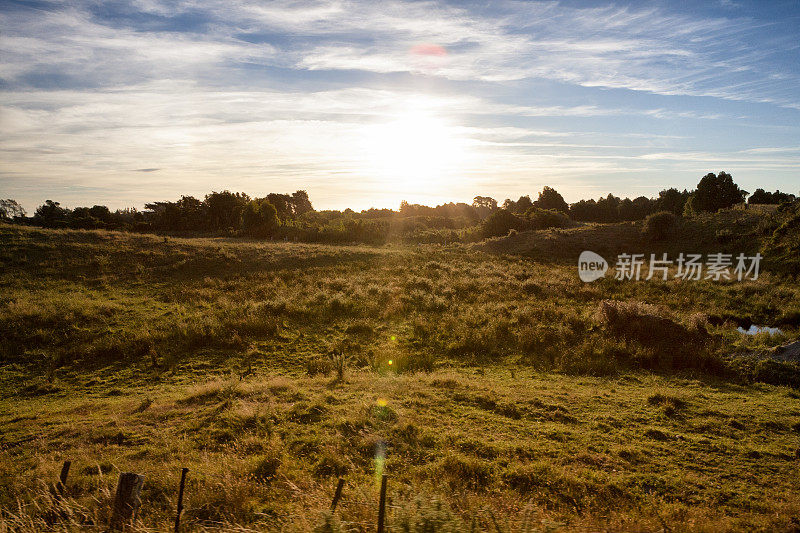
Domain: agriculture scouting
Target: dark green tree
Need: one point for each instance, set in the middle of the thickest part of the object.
(282, 204)
(714, 192)
(763, 197)
(484, 205)
(259, 218)
(10, 209)
(51, 215)
(520, 206)
(549, 198)
(300, 203)
(224, 209)
(672, 200)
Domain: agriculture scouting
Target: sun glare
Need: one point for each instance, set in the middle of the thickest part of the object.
(415, 154)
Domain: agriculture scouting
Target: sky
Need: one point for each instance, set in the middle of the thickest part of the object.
(364, 104)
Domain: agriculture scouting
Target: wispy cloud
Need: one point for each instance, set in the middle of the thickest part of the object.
(183, 96)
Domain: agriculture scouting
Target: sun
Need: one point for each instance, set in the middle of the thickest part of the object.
(415, 153)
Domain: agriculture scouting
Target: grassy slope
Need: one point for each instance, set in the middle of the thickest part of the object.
(126, 352)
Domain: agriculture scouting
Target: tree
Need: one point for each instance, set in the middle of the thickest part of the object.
(763, 197)
(300, 203)
(584, 210)
(225, 209)
(10, 209)
(519, 207)
(191, 213)
(81, 217)
(636, 209)
(282, 204)
(549, 198)
(608, 208)
(672, 200)
(484, 202)
(51, 215)
(714, 192)
(259, 218)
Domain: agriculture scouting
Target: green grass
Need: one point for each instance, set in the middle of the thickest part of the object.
(498, 386)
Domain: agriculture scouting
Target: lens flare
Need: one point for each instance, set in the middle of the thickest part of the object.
(380, 461)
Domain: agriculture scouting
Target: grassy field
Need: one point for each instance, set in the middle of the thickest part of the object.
(497, 390)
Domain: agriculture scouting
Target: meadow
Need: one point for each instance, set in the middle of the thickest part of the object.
(497, 390)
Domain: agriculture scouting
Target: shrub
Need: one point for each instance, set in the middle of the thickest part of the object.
(319, 365)
(266, 468)
(667, 344)
(339, 362)
(660, 226)
(546, 218)
(499, 223)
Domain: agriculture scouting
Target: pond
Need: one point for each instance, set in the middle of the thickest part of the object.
(755, 330)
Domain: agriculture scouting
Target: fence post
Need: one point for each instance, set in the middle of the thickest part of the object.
(126, 500)
(62, 478)
(337, 494)
(382, 505)
(180, 499)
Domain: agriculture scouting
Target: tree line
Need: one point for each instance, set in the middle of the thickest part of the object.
(292, 216)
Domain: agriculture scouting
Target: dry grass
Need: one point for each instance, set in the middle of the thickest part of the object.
(500, 389)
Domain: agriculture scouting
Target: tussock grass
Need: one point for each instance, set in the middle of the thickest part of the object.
(516, 395)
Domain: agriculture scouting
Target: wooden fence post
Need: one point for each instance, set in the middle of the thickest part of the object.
(382, 505)
(180, 499)
(337, 494)
(126, 500)
(62, 478)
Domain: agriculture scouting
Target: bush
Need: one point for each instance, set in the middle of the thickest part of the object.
(546, 218)
(319, 365)
(499, 223)
(266, 468)
(660, 226)
(666, 344)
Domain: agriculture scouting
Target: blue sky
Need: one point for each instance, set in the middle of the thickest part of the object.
(369, 103)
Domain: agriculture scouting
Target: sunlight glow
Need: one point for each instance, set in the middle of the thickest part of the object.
(418, 152)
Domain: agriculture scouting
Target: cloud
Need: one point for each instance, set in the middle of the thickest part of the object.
(182, 96)
(642, 49)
